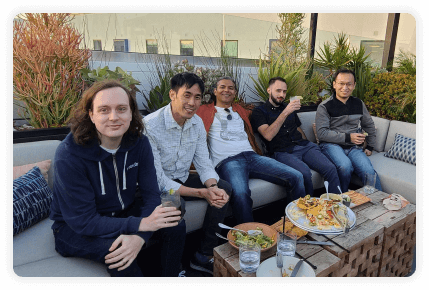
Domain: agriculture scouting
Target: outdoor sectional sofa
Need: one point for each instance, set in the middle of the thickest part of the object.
(34, 252)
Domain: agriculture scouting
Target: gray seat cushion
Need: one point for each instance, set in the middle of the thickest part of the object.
(62, 267)
(395, 176)
(32, 152)
(403, 128)
(34, 255)
(382, 127)
(307, 119)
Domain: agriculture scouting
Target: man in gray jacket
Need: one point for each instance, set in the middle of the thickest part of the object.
(339, 123)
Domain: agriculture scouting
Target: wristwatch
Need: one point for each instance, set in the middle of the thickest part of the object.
(213, 185)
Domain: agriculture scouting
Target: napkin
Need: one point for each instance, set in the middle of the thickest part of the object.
(395, 202)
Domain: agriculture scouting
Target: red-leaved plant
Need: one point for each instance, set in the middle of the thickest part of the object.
(46, 67)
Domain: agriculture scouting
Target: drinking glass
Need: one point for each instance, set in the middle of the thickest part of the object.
(171, 199)
(286, 243)
(250, 256)
(295, 98)
(369, 182)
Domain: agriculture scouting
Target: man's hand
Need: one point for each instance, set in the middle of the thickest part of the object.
(214, 196)
(292, 107)
(367, 152)
(161, 217)
(122, 256)
(223, 197)
(357, 138)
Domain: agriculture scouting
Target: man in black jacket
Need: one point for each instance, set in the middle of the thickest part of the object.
(339, 123)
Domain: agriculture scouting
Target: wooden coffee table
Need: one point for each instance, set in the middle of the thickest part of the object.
(381, 244)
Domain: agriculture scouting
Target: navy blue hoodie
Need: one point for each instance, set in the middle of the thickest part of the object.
(92, 186)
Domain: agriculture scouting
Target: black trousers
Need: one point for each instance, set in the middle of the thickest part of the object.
(213, 215)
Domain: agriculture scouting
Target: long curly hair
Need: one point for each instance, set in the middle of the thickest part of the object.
(84, 131)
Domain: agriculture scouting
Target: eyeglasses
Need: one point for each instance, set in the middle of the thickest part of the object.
(349, 85)
(229, 117)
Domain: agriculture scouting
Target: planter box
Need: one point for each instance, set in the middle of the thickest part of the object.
(40, 135)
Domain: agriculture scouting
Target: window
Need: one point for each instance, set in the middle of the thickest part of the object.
(151, 46)
(120, 45)
(375, 50)
(97, 44)
(187, 47)
(274, 46)
(230, 47)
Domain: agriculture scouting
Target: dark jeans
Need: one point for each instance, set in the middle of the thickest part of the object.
(213, 215)
(304, 158)
(70, 244)
(238, 169)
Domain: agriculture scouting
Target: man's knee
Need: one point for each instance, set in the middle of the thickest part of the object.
(345, 169)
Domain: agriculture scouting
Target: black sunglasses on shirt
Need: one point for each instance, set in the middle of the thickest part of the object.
(229, 117)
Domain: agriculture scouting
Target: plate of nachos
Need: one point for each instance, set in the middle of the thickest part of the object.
(319, 216)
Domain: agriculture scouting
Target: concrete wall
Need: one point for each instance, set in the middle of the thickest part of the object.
(142, 68)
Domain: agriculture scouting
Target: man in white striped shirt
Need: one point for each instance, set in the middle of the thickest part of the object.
(178, 139)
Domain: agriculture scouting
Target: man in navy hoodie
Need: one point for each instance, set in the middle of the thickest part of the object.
(97, 167)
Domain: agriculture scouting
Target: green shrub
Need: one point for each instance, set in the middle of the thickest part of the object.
(98, 74)
(392, 96)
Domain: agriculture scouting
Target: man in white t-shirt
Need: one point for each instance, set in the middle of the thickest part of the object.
(235, 154)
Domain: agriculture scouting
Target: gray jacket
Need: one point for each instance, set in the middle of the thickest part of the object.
(335, 121)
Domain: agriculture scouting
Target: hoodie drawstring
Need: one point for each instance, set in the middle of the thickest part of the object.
(103, 192)
(124, 177)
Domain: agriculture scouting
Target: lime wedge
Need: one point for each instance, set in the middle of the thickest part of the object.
(171, 191)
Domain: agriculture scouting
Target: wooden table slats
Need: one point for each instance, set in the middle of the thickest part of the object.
(381, 244)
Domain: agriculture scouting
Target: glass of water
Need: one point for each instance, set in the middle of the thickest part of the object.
(369, 182)
(295, 98)
(171, 198)
(250, 257)
(286, 243)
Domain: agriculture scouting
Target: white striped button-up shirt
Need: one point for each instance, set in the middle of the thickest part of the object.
(175, 148)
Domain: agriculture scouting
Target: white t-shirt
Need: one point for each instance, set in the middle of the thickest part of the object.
(227, 137)
(111, 151)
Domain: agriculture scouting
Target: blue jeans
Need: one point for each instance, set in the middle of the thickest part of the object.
(348, 161)
(304, 158)
(70, 244)
(238, 169)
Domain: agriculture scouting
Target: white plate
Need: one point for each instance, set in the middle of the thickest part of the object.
(268, 268)
(302, 221)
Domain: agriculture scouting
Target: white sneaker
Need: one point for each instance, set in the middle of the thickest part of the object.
(182, 274)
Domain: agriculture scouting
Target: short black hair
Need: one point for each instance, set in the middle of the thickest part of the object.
(186, 79)
(273, 80)
(343, 71)
(212, 95)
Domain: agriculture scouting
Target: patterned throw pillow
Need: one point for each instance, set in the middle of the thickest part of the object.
(32, 199)
(403, 148)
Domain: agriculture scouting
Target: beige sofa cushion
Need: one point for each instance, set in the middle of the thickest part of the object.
(23, 169)
(32, 152)
(307, 119)
(382, 126)
(403, 128)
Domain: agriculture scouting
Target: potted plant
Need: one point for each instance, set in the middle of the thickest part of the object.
(47, 61)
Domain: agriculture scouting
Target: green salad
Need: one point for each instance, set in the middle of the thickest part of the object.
(263, 240)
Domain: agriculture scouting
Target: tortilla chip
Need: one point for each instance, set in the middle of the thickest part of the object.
(315, 210)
